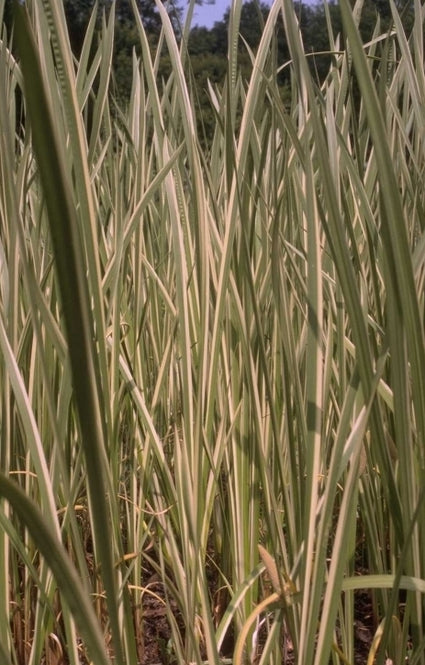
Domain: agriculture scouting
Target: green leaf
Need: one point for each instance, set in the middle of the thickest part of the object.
(57, 558)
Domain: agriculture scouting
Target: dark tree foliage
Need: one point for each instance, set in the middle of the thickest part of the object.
(126, 38)
(253, 17)
(208, 47)
(78, 13)
(7, 18)
(313, 26)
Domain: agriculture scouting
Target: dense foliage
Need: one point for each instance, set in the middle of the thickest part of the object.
(208, 48)
(212, 352)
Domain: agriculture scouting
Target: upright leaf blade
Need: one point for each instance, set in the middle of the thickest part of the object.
(71, 273)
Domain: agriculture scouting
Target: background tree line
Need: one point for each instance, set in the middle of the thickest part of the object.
(207, 47)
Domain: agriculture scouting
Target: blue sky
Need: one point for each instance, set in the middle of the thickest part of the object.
(207, 14)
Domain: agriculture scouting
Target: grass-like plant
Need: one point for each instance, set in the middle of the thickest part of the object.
(212, 359)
